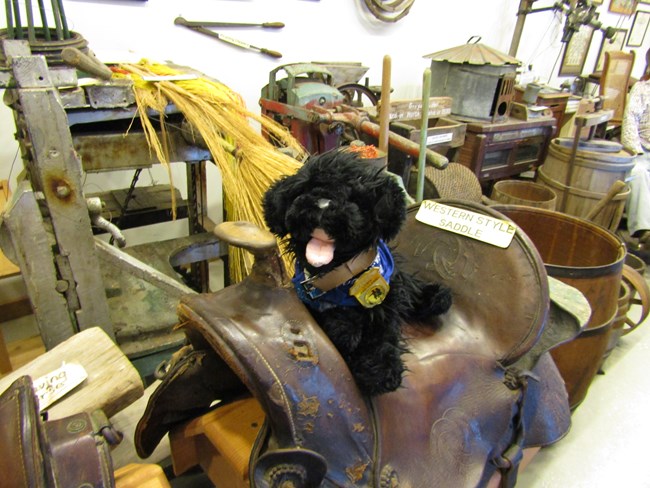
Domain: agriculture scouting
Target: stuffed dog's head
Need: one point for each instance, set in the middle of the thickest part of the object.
(335, 207)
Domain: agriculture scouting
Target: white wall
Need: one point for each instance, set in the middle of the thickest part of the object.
(325, 30)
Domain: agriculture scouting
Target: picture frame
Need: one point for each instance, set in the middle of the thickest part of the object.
(575, 52)
(615, 44)
(625, 7)
(639, 29)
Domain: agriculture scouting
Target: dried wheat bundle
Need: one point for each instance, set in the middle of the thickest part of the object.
(248, 162)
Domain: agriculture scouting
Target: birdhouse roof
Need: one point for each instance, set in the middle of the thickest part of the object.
(473, 53)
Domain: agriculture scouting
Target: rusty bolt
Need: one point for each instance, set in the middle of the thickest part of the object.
(62, 286)
(62, 191)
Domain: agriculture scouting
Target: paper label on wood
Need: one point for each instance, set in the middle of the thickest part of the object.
(412, 109)
(481, 227)
(439, 138)
(53, 386)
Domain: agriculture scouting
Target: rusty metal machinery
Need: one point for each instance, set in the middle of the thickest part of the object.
(315, 112)
(75, 280)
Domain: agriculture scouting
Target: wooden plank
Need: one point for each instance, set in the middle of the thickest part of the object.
(589, 120)
(141, 476)
(412, 109)
(227, 433)
(15, 310)
(24, 351)
(112, 383)
(5, 362)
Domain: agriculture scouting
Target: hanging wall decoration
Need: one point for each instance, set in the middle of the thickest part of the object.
(614, 44)
(389, 10)
(625, 7)
(575, 52)
(639, 29)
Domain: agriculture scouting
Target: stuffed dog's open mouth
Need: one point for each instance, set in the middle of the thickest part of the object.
(320, 248)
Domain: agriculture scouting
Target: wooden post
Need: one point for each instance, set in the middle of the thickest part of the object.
(384, 108)
(424, 127)
(524, 6)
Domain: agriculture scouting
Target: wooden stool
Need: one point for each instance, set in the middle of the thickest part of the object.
(220, 441)
(141, 476)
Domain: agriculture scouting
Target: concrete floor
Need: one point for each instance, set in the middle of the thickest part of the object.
(607, 445)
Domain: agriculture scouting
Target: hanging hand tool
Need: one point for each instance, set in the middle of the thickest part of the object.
(188, 23)
(199, 27)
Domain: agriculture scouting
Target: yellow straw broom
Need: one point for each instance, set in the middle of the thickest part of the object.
(221, 118)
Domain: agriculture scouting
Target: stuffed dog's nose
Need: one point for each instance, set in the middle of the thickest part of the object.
(323, 203)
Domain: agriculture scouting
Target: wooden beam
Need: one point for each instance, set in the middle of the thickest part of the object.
(15, 310)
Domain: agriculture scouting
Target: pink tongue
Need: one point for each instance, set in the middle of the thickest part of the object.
(319, 252)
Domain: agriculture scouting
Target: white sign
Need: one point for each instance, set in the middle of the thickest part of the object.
(478, 226)
(438, 138)
(52, 386)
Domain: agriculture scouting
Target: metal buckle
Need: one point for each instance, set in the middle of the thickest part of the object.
(310, 290)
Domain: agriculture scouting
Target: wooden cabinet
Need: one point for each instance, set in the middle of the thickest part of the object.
(501, 150)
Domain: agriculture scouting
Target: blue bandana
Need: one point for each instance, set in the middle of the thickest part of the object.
(340, 296)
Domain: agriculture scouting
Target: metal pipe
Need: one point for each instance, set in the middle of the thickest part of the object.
(57, 20)
(46, 29)
(18, 25)
(424, 127)
(10, 19)
(31, 35)
(64, 22)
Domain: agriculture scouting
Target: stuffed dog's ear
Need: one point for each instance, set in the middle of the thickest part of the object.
(390, 210)
(277, 200)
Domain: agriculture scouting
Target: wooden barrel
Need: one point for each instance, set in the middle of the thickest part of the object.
(589, 258)
(592, 175)
(520, 192)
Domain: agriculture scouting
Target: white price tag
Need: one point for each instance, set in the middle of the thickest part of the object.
(478, 226)
(52, 386)
(439, 138)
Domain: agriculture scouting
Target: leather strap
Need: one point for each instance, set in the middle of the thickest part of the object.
(344, 272)
(639, 285)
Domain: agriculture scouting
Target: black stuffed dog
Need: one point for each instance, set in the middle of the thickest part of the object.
(337, 213)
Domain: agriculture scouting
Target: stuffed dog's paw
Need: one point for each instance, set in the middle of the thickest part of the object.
(434, 300)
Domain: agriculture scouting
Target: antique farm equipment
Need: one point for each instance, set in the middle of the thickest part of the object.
(479, 79)
(306, 102)
(75, 281)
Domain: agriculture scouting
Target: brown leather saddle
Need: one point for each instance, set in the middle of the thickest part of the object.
(481, 385)
(71, 451)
